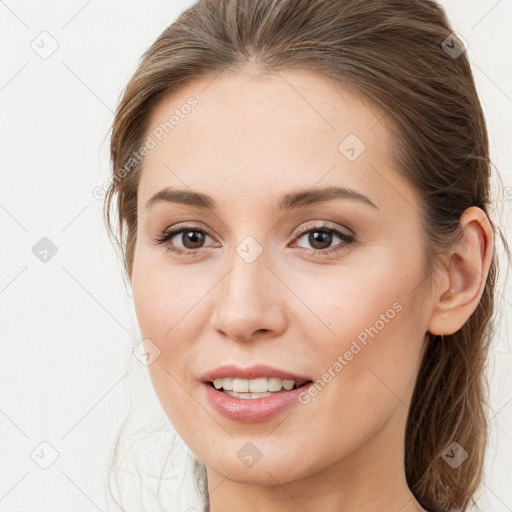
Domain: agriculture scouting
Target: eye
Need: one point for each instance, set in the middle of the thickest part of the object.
(322, 237)
(191, 237)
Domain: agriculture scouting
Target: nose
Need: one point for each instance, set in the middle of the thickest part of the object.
(250, 301)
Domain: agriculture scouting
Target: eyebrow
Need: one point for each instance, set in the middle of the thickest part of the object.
(288, 201)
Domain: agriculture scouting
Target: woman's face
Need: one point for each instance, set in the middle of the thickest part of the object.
(331, 291)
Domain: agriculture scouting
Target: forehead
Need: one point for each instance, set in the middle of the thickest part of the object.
(244, 112)
(252, 136)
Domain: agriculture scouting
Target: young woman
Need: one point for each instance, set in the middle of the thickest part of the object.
(302, 200)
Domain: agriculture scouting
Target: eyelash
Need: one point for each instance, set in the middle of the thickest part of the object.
(348, 239)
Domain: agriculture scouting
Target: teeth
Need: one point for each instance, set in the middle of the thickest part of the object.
(227, 384)
(247, 395)
(260, 385)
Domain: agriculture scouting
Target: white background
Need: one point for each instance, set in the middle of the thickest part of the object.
(67, 326)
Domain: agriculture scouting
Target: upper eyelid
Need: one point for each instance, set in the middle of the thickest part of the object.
(325, 226)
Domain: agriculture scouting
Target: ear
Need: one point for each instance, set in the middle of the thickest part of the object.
(462, 282)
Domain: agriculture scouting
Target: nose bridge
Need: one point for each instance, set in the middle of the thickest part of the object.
(247, 299)
(245, 286)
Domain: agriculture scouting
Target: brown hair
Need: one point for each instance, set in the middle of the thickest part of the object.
(401, 57)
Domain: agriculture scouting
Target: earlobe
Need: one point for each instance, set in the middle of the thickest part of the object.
(465, 275)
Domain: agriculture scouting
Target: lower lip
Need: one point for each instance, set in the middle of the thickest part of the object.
(252, 410)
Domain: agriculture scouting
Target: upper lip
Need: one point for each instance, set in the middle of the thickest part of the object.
(250, 372)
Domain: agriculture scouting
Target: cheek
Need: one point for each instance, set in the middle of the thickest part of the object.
(165, 296)
(345, 302)
(168, 306)
(368, 325)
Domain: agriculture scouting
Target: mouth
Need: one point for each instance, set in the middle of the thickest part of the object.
(255, 394)
(255, 388)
